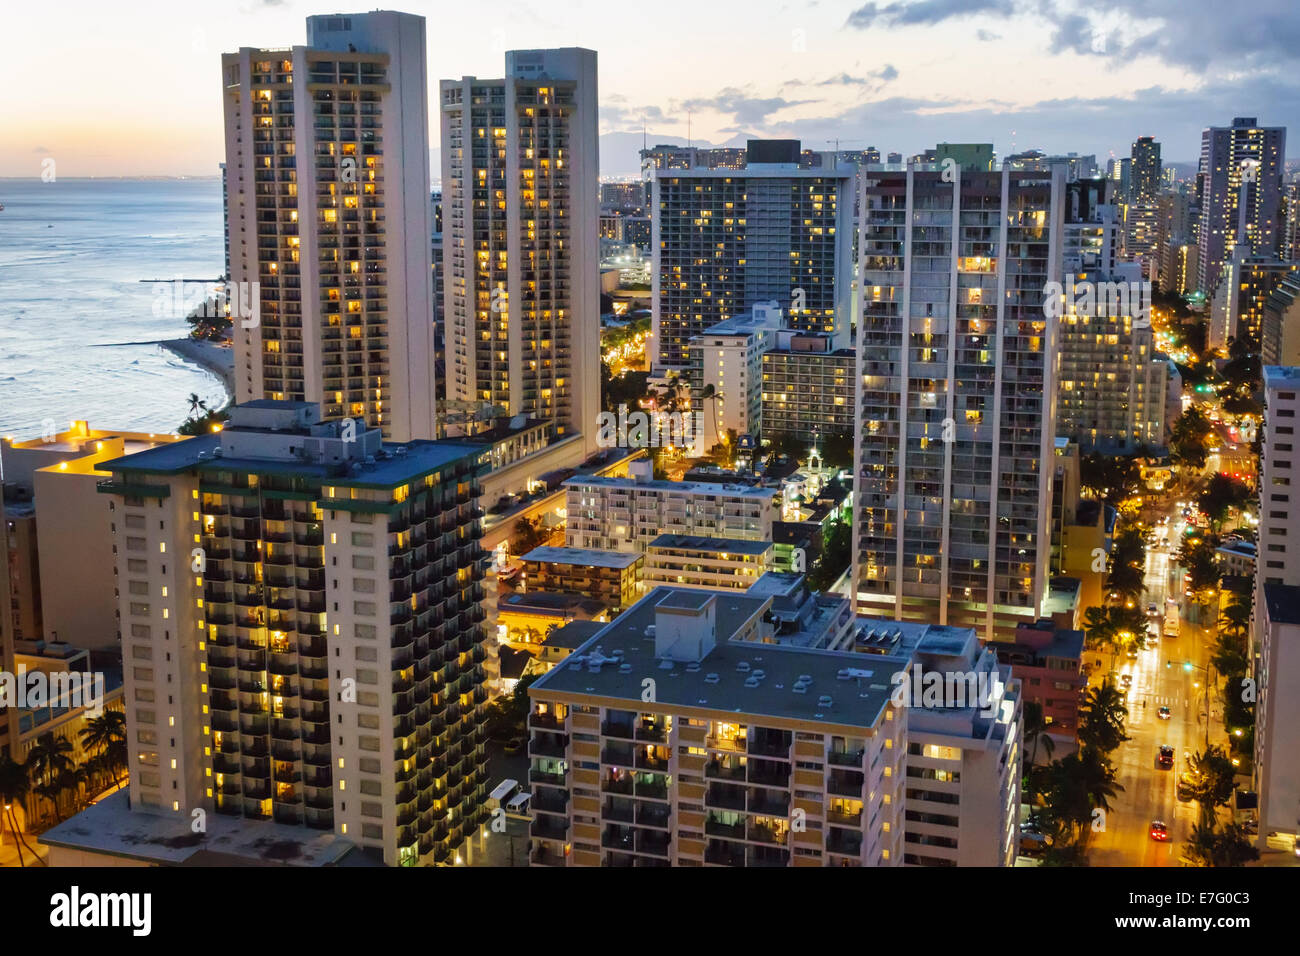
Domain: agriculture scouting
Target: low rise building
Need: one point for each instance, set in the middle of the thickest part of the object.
(690, 561)
(611, 577)
(626, 514)
(1048, 662)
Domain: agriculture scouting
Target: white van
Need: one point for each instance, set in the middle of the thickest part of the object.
(518, 805)
(502, 794)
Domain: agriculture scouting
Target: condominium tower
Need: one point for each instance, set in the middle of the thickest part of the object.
(1241, 193)
(267, 675)
(327, 174)
(726, 239)
(956, 363)
(520, 193)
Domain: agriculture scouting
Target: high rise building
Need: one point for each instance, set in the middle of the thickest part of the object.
(1279, 504)
(1276, 623)
(268, 676)
(520, 180)
(1144, 176)
(1280, 329)
(328, 183)
(956, 424)
(1240, 178)
(725, 240)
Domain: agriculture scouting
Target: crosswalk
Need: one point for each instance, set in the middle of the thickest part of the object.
(1157, 701)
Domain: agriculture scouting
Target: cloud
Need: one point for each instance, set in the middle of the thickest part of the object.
(924, 12)
(40, 149)
(988, 36)
(744, 108)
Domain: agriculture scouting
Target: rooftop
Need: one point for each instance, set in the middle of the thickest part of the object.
(397, 464)
(550, 602)
(690, 542)
(674, 487)
(1281, 375)
(111, 827)
(584, 557)
(734, 676)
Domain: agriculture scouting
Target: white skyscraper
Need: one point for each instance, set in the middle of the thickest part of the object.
(327, 174)
(520, 174)
(957, 375)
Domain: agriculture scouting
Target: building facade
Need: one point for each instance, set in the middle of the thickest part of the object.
(727, 239)
(520, 182)
(329, 221)
(301, 630)
(957, 373)
(1241, 193)
(808, 387)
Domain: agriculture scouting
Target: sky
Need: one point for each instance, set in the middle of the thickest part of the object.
(133, 88)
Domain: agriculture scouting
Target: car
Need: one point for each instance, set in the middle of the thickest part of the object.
(515, 745)
(1152, 610)
(1159, 832)
(1132, 653)
(1165, 758)
(1163, 713)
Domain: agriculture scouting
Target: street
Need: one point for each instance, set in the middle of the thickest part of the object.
(1149, 791)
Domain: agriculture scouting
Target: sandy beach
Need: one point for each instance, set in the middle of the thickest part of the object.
(217, 358)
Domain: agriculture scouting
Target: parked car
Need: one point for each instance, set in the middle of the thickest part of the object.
(1159, 831)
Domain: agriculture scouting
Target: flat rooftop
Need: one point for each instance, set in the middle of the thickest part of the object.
(404, 462)
(1281, 375)
(859, 687)
(550, 602)
(675, 487)
(690, 542)
(111, 827)
(583, 557)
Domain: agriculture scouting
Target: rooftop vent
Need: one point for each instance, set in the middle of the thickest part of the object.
(625, 668)
(800, 687)
(711, 678)
(752, 682)
(743, 667)
(824, 700)
(692, 667)
(759, 674)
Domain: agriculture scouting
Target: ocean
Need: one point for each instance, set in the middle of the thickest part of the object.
(72, 256)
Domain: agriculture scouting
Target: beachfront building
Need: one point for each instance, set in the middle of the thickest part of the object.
(300, 607)
(329, 221)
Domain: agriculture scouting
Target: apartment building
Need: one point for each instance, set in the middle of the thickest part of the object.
(626, 514)
(1240, 179)
(754, 753)
(727, 364)
(1280, 326)
(808, 387)
(727, 239)
(957, 373)
(520, 182)
(329, 221)
(1279, 513)
(267, 675)
(1048, 662)
(65, 529)
(1113, 382)
(744, 755)
(1240, 299)
(611, 577)
(1277, 711)
(692, 561)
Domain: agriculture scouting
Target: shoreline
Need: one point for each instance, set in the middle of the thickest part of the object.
(217, 359)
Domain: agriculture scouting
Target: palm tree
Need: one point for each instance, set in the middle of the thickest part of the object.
(1101, 718)
(196, 404)
(106, 736)
(1097, 626)
(1035, 731)
(711, 396)
(14, 787)
(49, 758)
